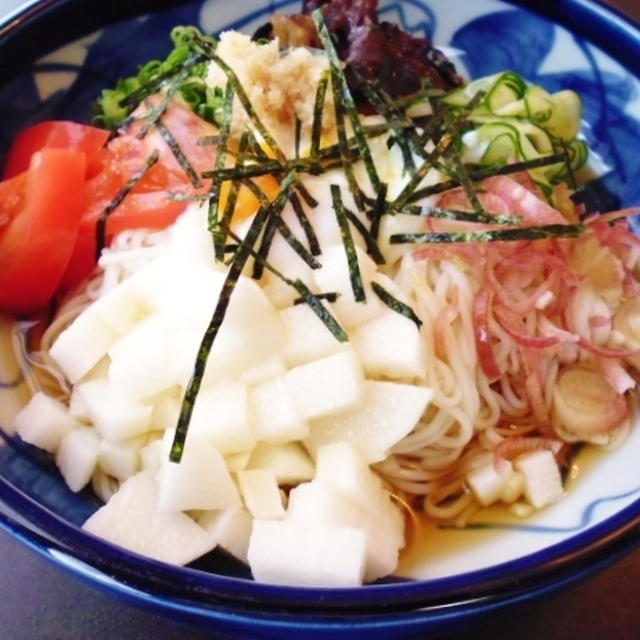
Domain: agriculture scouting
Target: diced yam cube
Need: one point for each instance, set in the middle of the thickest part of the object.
(221, 417)
(274, 414)
(230, 528)
(114, 414)
(387, 413)
(261, 494)
(82, 344)
(165, 412)
(151, 455)
(283, 258)
(390, 346)
(307, 337)
(237, 461)
(133, 299)
(542, 480)
(306, 554)
(487, 483)
(319, 502)
(77, 456)
(131, 519)
(289, 462)
(44, 421)
(341, 465)
(326, 386)
(120, 459)
(334, 277)
(200, 480)
(513, 488)
(264, 371)
(140, 360)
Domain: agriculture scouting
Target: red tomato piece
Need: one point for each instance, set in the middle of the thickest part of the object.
(56, 134)
(45, 207)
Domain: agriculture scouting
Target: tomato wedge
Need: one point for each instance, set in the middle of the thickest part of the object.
(43, 207)
(56, 134)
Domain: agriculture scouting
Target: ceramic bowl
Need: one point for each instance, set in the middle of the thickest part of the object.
(65, 52)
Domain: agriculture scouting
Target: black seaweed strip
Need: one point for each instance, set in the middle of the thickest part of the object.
(305, 223)
(101, 226)
(179, 155)
(508, 235)
(318, 109)
(396, 305)
(349, 247)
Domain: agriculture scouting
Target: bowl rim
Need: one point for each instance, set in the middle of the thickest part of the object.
(43, 530)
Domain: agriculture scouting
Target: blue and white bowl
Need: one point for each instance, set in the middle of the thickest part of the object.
(458, 577)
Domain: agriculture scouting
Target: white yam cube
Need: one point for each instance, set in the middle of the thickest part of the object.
(151, 455)
(120, 460)
(237, 461)
(326, 386)
(230, 529)
(200, 480)
(133, 299)
(487, 483)
(131, 519)
(307, 337)
(289, 462)
(542, 480)
(390, 346)
(221, 417)
(82, 344)
(341, 465)
(274, 414)
(283, 258)
(44, 421)
(513, 488)
(299, 553)
(264, 371)
(165, 412)
(114, 414)
(319, 502)
(77, 456)
(387, 413)
(261, 494)
(140, 360)
(334, 277)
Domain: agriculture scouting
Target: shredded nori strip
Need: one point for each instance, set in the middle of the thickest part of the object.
(396, 305)
(318, 110)
(370, 241)
(445, 142)
(465, 216)
(509, 235)
(101, 226)
(178, 154)
(305, 223)
(342, 94)
(349, 247)
(378, 210)
(216, 182)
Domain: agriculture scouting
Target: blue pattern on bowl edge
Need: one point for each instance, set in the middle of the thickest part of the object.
(607, 92)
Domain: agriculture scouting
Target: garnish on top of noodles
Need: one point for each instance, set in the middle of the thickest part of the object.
(315, 291)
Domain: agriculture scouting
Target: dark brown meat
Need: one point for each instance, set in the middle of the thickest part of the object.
(381, 51)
